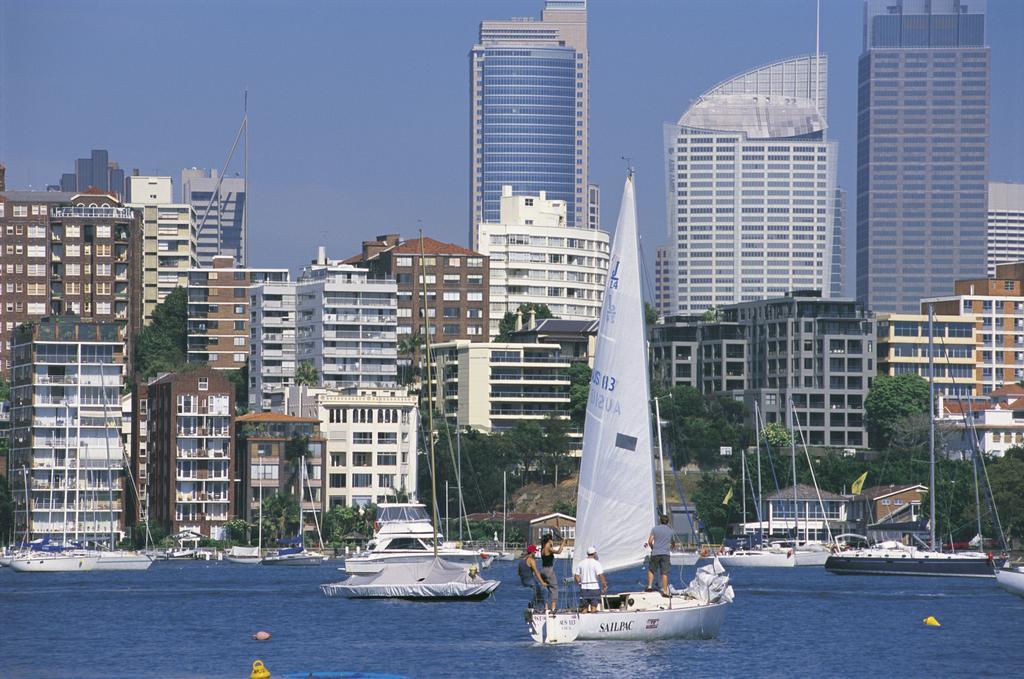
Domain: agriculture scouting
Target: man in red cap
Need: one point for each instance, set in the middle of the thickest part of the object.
(530, 576)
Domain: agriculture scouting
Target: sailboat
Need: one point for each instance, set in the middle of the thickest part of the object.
(250, 555)
(295, 553)
(895, 558)
(1011, 579)
(426, 576)
(616, 498)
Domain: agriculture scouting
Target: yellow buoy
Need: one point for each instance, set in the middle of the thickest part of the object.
(259, 670)
(931, 621)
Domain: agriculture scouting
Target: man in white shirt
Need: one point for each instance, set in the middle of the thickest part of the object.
(588, 574)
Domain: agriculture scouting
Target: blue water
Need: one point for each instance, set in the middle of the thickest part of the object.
(195, 619)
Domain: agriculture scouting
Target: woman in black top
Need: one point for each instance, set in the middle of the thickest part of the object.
(547, 568)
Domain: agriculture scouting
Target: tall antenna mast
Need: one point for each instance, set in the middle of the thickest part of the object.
(245, 173)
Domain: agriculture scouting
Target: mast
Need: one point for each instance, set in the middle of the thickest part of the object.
(743, 485)
(931, 426)
(757, 441)
(792, 450)
(504, 506)
(245, 173)
(106, 443)
(661, 456)
(28, 506)
(64, 526)
(458, 477)
(263, 473)
(430, 392)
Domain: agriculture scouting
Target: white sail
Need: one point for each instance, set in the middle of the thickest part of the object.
(615, 504)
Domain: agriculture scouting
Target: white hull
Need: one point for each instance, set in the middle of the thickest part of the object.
(373, 563)
(243, 559)
(812, 558)
(73, 563)
(686, 619)
(684, 558)
(1012, 580)
(123, 561)
(756, 559)
(304, 559)
(243, 555)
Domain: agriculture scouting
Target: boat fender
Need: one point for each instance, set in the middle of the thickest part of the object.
(704, 552)
(990, 556)
(930, 621)
(262, 635)
(789, 553)
(259, 670)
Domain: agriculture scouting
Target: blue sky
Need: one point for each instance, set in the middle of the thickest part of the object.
(359, 111)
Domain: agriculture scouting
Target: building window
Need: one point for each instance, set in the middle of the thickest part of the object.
(386, 480)
(204, 384)
(337, 480)
(362, 480)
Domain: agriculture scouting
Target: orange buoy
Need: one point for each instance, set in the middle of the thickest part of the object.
(262, 635)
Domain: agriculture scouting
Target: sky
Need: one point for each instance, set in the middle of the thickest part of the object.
(359, 111)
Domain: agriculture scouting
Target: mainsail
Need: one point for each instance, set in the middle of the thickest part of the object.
(615, 504)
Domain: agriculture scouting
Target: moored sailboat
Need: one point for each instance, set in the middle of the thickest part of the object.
(616, 500)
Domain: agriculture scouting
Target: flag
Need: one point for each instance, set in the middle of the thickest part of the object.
(728, 496)
(858, 485)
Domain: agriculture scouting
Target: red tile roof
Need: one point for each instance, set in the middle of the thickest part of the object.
(959, 409)
(432, 247)
(1008, 390)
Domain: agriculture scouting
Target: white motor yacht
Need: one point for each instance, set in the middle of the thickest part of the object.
(405, 535)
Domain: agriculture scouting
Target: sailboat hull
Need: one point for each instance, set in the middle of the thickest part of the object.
(294, 560)
(1012, 580)
(54, 564)
(687, 619)
(123, 561)
(684, 558)
(939, 565)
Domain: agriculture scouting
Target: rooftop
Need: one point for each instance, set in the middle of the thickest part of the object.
(269, 416)
(804, 492)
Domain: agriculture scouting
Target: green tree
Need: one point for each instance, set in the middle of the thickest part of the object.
(526, 441)
(238, 531)
(650, 314)
(409, 351)
(890, 400)
(240, 380)
(161, 346)
(507, 325)
(776, 435)
(5, 390)
(1007, 478)
(714, 516)
(579, 391)
(294, 449)
(280, 515)
(555, 447)
(307, 375)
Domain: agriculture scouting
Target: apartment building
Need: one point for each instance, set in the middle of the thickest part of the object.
(66, 379)
(137, 508)
(456, 281)
(265, 468)
(997, 306)
(491, 387)
(190, 445)
(63, 253)
(903, 348)
(221, 208)
(371, 439)
(536, 257)
(345, 324)
(169, 239)
(818, 353)
(272, 344)
(218, 311)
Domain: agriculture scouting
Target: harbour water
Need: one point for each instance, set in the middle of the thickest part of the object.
(195, 619)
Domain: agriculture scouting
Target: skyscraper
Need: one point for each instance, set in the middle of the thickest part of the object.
(529, 85)
(97, 172)
(838, 245)
(220, 206)
(922, 153)
(1005, 224)
(751, 189)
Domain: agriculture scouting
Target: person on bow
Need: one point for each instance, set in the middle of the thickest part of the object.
(547, 568)
(529, 576)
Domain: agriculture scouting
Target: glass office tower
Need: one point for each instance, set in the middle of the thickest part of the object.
(529, 97)
(751, 190)
(922, 151)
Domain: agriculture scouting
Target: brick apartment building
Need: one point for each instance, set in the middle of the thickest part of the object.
(64, 253)
(457, 286)
(190, 446)
(218, 311)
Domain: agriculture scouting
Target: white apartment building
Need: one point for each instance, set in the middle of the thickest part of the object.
(272, 344)
(1005, 224)
(67, 453)
(371, 441)
(347, 325)
(220, 205)
(536, 257)
(169, 239)
(492, 386)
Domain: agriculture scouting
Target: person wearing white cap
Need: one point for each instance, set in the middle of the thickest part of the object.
(588, 574)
